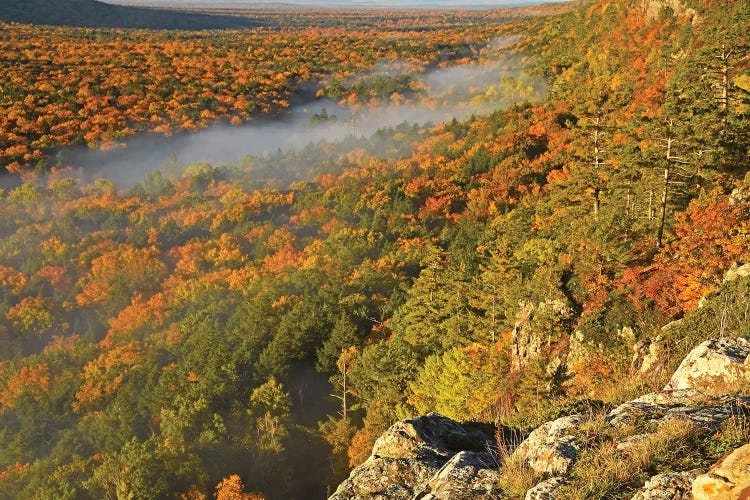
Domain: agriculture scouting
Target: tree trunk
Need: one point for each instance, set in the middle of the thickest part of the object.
(597, 203)
(343, 398)
(663, 210)
(651, 204)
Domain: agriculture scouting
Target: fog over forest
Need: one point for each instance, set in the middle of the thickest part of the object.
(455, 92)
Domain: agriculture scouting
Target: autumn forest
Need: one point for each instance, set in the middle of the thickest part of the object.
(197, 325)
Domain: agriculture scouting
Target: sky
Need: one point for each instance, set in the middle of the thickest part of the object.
(348, 3)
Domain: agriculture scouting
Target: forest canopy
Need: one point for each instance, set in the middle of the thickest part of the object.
(222, 329)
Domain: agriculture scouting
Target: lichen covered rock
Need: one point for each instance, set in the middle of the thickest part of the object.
(546, 490)
(468, 475)
(551, 448)
(386, 477)
(649, 356)
(434, 457)
(713, 367)
(423, 456)
(663, 407)
(429, 436)
(538, 327)
(736, 271)
(671, 486)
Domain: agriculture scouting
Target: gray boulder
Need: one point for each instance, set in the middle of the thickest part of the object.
(551, 448)
(661, 407)
(672, 486)
(410, 459)
(546, 490)
(468, 475)
(384, 477)
(432, 436)
(736, 271)
(713, 368)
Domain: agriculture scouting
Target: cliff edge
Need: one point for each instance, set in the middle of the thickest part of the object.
(662, 445)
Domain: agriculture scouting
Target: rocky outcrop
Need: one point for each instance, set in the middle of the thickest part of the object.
(738, 270)
(433, 457)
(546, 490)
(428, 457)
(728, 479)
(429, 437)
(551, 448)
(386, 477)
(649, 356)
(468, 475)
(654, 9)
(685, 405)
(671, 486)
(740, 195)
(538, 328)
(713, 368)
(525, 345)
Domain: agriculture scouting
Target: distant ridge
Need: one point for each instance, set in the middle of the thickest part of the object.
(95, 14)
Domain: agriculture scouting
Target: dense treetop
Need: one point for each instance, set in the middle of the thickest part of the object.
(62, 86)
(182, 337)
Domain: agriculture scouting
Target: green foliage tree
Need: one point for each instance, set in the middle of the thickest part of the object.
(269, 409)
(438, 313)
(463, 383)
(381, 375)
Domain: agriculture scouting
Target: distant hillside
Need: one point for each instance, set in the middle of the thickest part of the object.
(94, 14)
